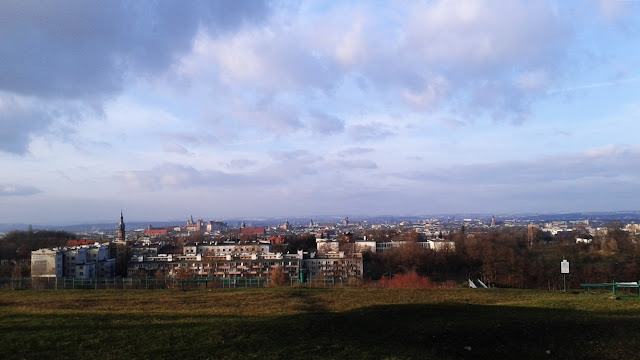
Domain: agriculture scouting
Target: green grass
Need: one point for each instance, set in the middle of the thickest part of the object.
(297, 323)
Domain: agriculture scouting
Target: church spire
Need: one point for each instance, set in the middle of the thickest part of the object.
(121, 227)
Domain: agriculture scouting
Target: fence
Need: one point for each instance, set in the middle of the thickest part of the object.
(51, 283)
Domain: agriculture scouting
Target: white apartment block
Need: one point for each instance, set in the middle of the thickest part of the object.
(80, 262)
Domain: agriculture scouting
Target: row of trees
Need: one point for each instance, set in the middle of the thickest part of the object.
(509, 257)
(17, 245)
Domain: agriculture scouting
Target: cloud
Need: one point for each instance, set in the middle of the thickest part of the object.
(17, 190)
(274, 54)
(323, 124)
(486, 57)
(428, 96)
(353, 164)
(239, 164)
(192, 138)
(354, 151)
(532, 80)
(366, 132)
(297, 155)
(470, 59)
(19, 119)
(289, 166)
(174, 148)
(595, 85)
(453, 124)
(176, 176)
(77, 49)
(69, 51)
(601, 163)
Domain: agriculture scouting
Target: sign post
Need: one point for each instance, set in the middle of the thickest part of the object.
(564, 270)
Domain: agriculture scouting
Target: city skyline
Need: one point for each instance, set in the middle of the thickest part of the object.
(272, 109)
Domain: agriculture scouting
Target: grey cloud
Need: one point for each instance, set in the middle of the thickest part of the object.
(324, 124)
(353, 164)
(297, 155)
(274, 118)
(170, 175)
(195, 138)
(354, 151)
(365, 132)
(280, 120)
(241, 163)
(17, 122)
(175, 148)
(291, 164)
(601, 164)
(297, 66)
(177, 176)
(84, 49)
(17, 190)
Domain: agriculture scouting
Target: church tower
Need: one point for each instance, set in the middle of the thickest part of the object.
(121, 228)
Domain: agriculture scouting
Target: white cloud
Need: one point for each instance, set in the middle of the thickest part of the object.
(428, 97)
(533, 80)
(272, 100)
(17, 190)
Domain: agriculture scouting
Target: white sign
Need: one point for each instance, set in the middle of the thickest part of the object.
(564, 267)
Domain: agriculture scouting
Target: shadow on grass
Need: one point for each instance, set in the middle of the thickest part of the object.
(440, 331)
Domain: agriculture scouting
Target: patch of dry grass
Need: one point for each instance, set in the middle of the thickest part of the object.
(315, 323)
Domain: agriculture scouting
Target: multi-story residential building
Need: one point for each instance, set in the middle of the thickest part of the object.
(202, 263)
(333, 265)
(81, 262)
(226, 248)
(46, 263)
(145, 249)
(206, 266)
(382, 246)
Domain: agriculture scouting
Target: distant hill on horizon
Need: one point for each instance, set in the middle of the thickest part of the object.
(624, 216)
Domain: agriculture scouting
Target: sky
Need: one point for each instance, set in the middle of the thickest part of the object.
(232, 109)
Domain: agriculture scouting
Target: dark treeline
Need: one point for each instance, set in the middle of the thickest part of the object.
(513, 257)
(17, 245)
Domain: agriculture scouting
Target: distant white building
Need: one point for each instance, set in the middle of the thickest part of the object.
(365, 245)
(46, 263)
(221, 249)
(379, 247)
(583, 240)
(438, 245)
(80, 262)
(326, 246)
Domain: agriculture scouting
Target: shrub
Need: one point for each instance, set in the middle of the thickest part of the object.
(412, 280)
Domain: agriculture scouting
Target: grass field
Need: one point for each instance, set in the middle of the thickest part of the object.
(297, 323)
